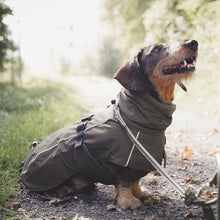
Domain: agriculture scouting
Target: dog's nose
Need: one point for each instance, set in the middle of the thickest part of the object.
(192, 45)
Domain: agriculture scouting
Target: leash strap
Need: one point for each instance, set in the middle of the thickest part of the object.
(146, 154)
(189, 196)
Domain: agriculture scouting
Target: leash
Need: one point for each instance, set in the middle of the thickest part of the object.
(188, 195)
(146, 154)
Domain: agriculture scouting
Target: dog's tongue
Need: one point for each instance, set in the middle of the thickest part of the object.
(182, 86)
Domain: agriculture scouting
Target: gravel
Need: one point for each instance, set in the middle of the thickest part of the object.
(188, 133)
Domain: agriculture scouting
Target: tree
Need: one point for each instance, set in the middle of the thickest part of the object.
(7, 46)
(136, 22)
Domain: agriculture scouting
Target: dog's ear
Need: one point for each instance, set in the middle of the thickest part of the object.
(130, 75)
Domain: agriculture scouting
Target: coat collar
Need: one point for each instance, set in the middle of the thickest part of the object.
(144, 110)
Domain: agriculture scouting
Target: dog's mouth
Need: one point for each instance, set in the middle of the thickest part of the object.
(187, 65)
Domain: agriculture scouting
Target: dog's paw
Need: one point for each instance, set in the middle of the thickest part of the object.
(142, 194)
(126, 200)
(138, 192)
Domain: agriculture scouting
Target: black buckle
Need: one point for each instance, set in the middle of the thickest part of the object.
(79, 139)
(87, 118)
(80, 131)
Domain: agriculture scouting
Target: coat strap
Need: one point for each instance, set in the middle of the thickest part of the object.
(89, 167)
(84, 161)
(80, 131)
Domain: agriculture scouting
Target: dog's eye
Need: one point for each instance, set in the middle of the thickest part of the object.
(157, 49)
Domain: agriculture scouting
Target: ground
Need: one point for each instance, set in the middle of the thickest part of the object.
(192, 143)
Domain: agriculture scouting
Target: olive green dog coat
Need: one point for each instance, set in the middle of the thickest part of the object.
(102, 139)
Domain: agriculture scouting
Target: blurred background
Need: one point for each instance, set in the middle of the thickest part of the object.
(49, 38)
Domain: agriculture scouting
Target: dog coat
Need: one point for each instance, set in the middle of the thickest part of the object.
(81, 146)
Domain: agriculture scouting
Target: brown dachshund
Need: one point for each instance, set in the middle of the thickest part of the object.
(146, 105)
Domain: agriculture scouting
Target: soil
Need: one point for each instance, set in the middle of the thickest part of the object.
(192, 143)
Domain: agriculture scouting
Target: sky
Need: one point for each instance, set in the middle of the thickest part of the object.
(50, 30)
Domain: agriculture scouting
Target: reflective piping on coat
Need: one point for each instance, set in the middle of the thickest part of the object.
(46, 151)
(132, 149)
(56, 145)
(87, 129)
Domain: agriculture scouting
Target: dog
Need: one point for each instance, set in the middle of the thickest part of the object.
(145, 103)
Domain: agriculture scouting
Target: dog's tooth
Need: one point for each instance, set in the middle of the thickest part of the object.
(185, 63)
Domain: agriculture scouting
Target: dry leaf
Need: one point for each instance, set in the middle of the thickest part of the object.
(182, 131)
(163, 197)
(155, 173)
(209, 194)
(111, 207)
(185, 168)
(186, 148)
(189, 180)
(214, 130)
(187, 155)
(165, 146)
(56, 201)
(152, 200)
(214, 151)
(153, 181)
(149, 201)
(14, 205)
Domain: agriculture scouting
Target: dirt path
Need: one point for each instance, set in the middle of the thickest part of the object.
(191, 142)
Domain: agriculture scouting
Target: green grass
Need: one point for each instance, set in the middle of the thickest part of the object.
(26, 115)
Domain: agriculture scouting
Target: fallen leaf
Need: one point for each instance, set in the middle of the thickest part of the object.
(14, 205)
(191, 215)
(56, 201)
(214, 151)
(111, 207)
(187, 155)
(186, 148)
(209, 194)
(189, 180)
(155, 173)
(185, 168)
(168, 132)
(163, 198)
(214, 130)
(149, 201)
(153, 181)
(182, 131)
(166, 146)
(152, 200)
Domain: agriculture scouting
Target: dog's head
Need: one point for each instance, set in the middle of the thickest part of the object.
(158, 67)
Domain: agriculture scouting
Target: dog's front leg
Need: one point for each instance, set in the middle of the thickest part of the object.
(137, 191)
(124, 196)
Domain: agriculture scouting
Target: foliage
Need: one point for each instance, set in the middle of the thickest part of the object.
(6, 45)
(109, 57)
(28, 115)
(126, 19)
(162, 20)
(137, 23)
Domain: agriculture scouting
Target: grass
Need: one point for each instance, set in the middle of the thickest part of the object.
(26, 115)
